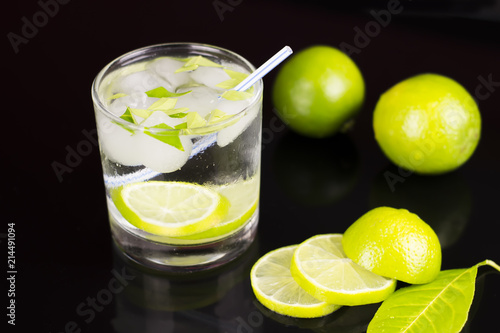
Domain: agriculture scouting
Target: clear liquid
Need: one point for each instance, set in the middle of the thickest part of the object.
(235, 165)
(224, 158)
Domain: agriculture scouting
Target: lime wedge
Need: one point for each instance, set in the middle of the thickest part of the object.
(277, 290)
(320, 266)
(170, 208)
(243, 198)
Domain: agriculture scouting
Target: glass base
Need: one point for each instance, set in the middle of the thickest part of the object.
(184, 258)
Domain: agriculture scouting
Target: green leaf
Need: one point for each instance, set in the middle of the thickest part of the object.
(181, 126)
(217, 115)
(141, 112)
(195, 120)
(161, 92)
(193, 63)
(163, 104)
(127, 116)
(178, 115)
(131, 131)
(440, 306)
(118, 95)
(233, 95)
(235, 79)
(168, 138)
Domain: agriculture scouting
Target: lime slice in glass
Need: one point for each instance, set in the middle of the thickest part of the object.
(170, 208)
(243, 198)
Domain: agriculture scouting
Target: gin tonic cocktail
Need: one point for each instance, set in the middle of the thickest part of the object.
(180, 151)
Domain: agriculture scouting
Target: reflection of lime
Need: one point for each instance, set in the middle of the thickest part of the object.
(394, 243)
(316, 172)
(350, 319)
(427, 123)
(320, 266)
(318, 90)
(443, 202)
(276, 289)
(170, 208)
(303, 323)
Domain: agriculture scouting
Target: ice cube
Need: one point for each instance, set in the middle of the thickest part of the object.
(162, 157)
(138, 100)
(209, 76)
(118, 144)
(201, 99)
(228, 134)
(165, 68)
(138, 82)
(232, 107)
(131, 149)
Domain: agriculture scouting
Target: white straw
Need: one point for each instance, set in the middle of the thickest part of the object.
(264, 69)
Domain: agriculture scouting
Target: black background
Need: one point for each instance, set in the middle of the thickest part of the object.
(64, 254)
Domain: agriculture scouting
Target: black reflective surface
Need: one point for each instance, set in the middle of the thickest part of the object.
(69, 278)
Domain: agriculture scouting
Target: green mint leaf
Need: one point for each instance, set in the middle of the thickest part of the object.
(236, 75)
(168, 138)
(181, 126)
(202, 61)
(131, 131)
(193, 63)
(217, 115)
(118, 95)
(163, 104)
(194, 120)
(178, 115)
(127, 116)
(233, 95)
(186, 68)
(163, 92)
(439, 306)
(235, 79)
(141, 112)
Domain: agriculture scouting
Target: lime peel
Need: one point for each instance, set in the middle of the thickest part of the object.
(276, 289)
(170, 208)
(321, 268)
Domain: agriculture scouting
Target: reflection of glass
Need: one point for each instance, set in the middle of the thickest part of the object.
(316, 172)
(162, 115)
(218, 300)
(443, 201)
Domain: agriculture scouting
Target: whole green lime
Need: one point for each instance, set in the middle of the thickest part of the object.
(427, 123)
(394, 243)
(318, 90)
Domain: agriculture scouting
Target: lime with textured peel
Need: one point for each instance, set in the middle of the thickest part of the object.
(318, 90)
(321, 268)
(170, 208)
(394, 243)
(277, 290)
(427, 123)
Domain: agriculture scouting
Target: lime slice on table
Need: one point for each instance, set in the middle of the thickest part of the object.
(170, 208)
(320, 267)
(243, 200)
(277, 290)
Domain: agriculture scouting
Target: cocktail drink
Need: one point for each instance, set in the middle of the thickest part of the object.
(180, 152)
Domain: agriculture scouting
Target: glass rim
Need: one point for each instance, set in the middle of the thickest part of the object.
(132, 55)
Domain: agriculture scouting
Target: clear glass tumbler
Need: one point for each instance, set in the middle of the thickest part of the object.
(180, 154)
